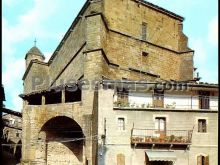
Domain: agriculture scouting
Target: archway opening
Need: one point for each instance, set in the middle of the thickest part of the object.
(64, 141)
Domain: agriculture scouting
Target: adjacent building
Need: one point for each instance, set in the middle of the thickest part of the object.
(11, 138)
(120, 88)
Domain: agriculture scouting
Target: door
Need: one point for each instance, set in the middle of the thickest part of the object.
(160, 126)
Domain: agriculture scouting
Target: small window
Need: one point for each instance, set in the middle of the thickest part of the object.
(144, 31)
(158, 94)
(145, 54)
(204, 100)
(122, 94)
(121, 124)
(202, 126)
(17, 134)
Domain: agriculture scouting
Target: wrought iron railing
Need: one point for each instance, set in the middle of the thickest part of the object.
(154, 136)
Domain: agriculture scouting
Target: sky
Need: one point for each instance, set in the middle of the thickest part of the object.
(48, 21)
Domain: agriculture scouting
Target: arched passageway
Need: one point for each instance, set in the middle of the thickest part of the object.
(63, 141)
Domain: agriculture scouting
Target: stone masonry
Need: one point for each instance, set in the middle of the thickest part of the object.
(105, 41)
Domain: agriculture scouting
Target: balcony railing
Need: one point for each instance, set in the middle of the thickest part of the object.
(185, 102)
(153, 136)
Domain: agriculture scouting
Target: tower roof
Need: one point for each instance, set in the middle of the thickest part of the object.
(34, 50)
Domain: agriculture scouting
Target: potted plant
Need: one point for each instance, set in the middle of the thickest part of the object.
(147, 139)
(166, 139)
(172, 137)
(153, 139)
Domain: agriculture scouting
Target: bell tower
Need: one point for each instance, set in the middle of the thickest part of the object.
(34, 54)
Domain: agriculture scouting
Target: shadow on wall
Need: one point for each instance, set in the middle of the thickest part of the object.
(11, 153)
(61, 135)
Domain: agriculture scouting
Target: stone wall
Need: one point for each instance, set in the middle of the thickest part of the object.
(37, 78)
(127, 17)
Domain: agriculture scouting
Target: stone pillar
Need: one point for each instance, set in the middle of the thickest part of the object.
(63, 96)
(41, 155)
(43, 100)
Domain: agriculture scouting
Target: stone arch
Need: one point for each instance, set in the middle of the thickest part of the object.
(63, 141)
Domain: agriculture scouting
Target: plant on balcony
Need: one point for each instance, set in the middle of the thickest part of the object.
(132, 105)
(147, 139)
(121, 103)
(166, 139)
(137, 139)
(155, 139)
(171, 106)
(148, 105)
(172, 137)
(178, 139)
(183, 140)
(136, 106)
(143, 105)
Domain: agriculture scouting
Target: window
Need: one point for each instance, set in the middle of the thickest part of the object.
(158, 98)
(160, 123)
(144, 31)
(160, 126)
(145, 54)
(121, 124)
(202, 160)
(120, 159)
(202, 125)
(122, 94)
(204, 99)
(17, 134)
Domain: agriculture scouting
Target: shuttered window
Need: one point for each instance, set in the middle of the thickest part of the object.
(202, 126)
(202, 160)
(120, 159)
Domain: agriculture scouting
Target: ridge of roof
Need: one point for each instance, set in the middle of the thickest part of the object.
(165, 11)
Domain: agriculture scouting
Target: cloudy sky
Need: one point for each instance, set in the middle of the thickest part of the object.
(48, 20)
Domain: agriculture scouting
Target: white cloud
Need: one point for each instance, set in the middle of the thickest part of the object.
(11, 82)
(200, 52)
(47, 56)
(213, 31)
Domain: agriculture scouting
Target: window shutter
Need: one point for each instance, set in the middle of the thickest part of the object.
(120, 159)
(207, 160)
(199, 160)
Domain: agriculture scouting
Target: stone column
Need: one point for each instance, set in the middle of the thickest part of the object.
(41, 149)
(63, 96)
(43, 100)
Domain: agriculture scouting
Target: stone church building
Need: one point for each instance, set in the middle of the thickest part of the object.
(120, 89)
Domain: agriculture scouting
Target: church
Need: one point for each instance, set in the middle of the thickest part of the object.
(120, 88)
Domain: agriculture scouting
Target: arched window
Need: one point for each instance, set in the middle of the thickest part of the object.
(202, 160)
(120, 159)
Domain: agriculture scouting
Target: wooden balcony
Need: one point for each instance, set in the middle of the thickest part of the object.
(153, 136)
